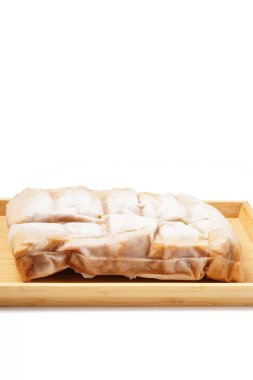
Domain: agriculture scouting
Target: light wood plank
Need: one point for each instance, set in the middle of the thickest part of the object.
(70, 289)
(230, 209)
(3, 203)
(246, 218)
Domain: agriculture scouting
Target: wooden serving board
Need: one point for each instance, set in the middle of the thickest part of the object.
(70, 289)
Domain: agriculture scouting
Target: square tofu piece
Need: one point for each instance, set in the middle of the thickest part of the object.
(122, 201)
(164, 206)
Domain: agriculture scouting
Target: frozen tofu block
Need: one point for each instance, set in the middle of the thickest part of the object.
(120, 232)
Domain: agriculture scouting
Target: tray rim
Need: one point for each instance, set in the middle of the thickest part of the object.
(136, 293)
(220, 204)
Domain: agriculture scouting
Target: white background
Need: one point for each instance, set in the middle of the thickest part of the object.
(155, 95)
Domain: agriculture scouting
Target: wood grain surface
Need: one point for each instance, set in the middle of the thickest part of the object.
(70, 289)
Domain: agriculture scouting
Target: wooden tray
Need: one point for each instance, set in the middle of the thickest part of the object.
(70, 289)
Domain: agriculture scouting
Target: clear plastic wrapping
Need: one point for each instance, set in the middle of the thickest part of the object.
(120, 232)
